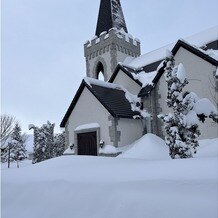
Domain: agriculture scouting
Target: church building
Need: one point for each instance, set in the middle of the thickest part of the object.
(114, 111)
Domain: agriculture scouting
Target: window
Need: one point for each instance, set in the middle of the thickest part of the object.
(100, 71)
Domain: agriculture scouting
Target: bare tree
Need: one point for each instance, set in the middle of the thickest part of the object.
(7, 124)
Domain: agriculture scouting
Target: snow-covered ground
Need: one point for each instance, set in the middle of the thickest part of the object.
(97, 187)
(13, 165)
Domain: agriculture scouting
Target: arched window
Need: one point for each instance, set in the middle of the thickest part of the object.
(100, 71)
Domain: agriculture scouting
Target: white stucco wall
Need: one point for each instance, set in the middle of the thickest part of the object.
(89, 110)
(201, 81)
(131, 130)
(127, 83)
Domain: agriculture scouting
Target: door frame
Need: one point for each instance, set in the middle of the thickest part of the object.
(76, 132)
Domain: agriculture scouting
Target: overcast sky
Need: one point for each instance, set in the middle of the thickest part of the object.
(42, 46)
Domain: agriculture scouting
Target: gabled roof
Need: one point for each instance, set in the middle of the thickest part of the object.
(147, 89)
(199, 52)
(110, 16)
(207, 39)
(127, 70)
(195, 51)
(111, 97)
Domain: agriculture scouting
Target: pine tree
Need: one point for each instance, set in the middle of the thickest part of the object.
(181, 137)
(15, 151)
(48, 130)
(43, 142)
(59, 144)
(39, 145)
(187, 109)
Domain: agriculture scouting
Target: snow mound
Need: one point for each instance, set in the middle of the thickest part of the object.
(108, 149)
(207, 148)
(88, 187)
(149, 147)
(69, 151)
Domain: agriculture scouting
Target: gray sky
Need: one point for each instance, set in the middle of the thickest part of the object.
(42, 46)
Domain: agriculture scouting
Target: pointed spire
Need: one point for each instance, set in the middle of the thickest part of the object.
(110, 15)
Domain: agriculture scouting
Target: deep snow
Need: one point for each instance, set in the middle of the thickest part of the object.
(96, 187)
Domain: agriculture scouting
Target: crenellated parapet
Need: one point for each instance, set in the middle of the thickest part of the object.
(113, 40)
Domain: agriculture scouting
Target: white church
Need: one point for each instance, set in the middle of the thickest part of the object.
(107, 112)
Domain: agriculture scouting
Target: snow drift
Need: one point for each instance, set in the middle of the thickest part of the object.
(149, 147)
(97, 187)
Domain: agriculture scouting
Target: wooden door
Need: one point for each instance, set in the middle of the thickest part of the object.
(87, 144)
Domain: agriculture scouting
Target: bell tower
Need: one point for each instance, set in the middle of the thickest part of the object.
(111, 44)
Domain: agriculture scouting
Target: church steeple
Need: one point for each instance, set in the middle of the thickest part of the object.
(110, 15)
(109, 46)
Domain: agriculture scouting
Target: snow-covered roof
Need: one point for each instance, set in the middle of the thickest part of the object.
(204, 37)
(113, 97)
(145, 78)
(199, 40)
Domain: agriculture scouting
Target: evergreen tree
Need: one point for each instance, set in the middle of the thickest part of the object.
(43, 142)
(59, 144)
(48, 130)
(39, 145)
(15, 150)
(187, 109)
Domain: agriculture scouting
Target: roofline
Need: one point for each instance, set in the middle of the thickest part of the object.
(154, 81)
(72, 105)
(195, 51)
(76, 98)
(120, 67)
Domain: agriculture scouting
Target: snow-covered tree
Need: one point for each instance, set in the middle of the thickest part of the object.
(15, 150)
(39, 144)
(43, 142)
(181, 124)
(48, 130)
(59, 144)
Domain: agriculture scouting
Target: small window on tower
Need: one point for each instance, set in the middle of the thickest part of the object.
(101, 76)
(100, 71)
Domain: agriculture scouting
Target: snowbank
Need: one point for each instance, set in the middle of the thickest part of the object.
(94, 187)
(108, 149)
(207, 148)
(149, 147)
(69, 151)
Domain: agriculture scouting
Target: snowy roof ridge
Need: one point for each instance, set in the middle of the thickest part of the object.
(204, 37)
(200, 39)
(210, 52)
(91, 81)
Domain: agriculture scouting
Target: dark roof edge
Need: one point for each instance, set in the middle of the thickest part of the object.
(72, 105)
(120, 67)
(76, 98)
(156, 79)
(195, 51)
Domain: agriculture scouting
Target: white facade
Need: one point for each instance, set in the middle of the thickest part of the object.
(200, 74)
(131, 130)
(88, 110)
(128, 83)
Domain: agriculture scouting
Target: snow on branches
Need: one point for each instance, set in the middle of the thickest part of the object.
(187, 109)
(15, 149)
(46, 145)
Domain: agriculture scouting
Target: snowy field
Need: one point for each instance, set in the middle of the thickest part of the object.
(123, 187)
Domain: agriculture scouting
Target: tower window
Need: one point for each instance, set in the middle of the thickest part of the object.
(100, 71)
